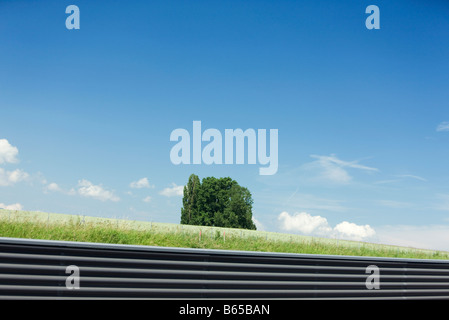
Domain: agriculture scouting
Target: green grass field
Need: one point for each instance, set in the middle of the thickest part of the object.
(51, 226)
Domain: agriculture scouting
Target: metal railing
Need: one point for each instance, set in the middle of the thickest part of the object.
(43, 269)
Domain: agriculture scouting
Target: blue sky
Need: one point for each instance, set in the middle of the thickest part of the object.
(362, 115)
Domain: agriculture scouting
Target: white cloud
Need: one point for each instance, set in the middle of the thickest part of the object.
(142, 183)
(147, 199)
(8, 178)
(17, 176)
(332, 169)
(15, 206)
(305, 223)
(174, 191)
(53, 187)
(352, 231)
(443, 126)
(8, 153)
(87, 189)
(319, 226)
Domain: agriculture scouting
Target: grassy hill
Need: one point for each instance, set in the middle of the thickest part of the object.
(52, 226)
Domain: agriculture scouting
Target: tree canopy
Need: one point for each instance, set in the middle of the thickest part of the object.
(219, 202)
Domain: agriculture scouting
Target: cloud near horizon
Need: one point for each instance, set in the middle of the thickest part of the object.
(433, 237)
(307, 224)
(15, 206)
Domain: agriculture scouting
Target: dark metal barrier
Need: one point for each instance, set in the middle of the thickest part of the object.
(40, 269)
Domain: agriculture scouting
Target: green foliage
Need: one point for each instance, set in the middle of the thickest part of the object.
(189, 211)
(219, 202)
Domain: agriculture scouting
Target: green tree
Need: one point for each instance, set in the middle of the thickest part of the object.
(189, 210)
(241, 204)
(219, 202)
